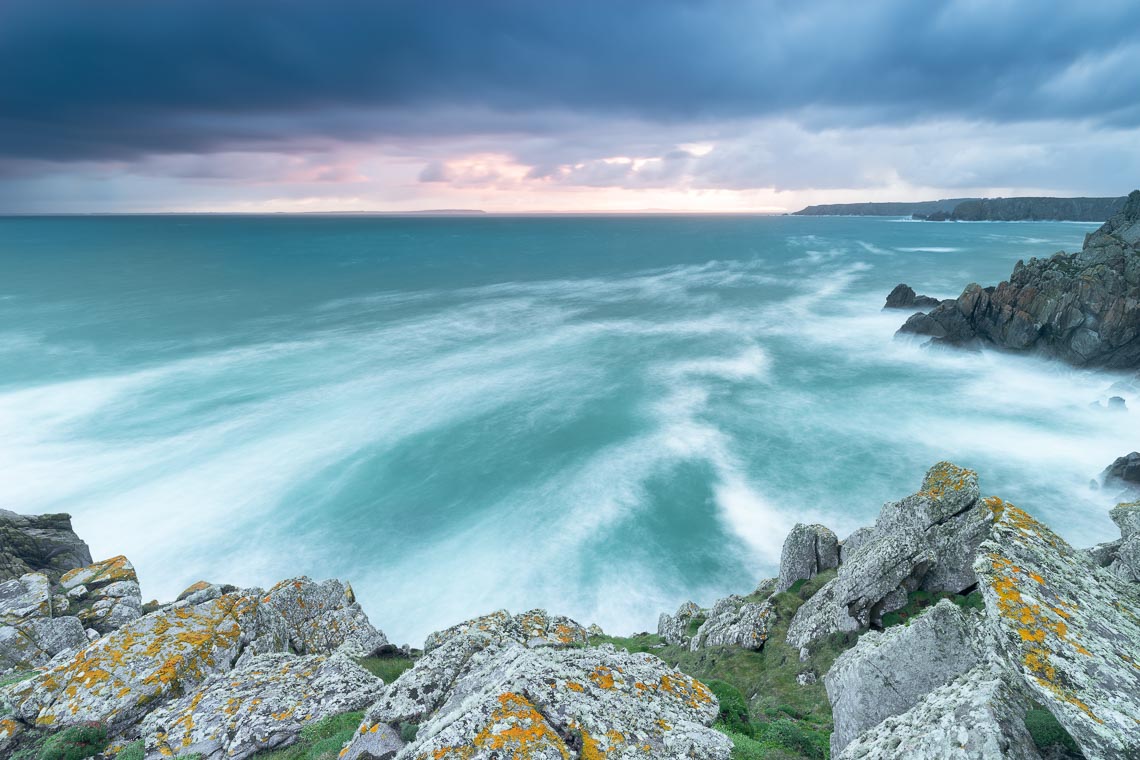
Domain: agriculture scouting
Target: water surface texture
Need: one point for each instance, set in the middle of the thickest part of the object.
(601, 416)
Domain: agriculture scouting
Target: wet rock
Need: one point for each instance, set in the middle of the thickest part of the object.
(1117, 404)
(674, 629)
(122, 676)
(1069, 628)
(39, 543)
(888, 673)
(734, 622)
(260, 706)
(808, 550)
(510, 700)
(1083, 308)
(926, 541)
(904, 297)
(323, 617)
(1125, 469)
(976, 716)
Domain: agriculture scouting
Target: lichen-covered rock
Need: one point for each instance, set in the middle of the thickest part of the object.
(35, 642)
(124, 675)
(674, 629)
(513, 701)
(1083, 308)
(926, 541)
(1069, 628)
(324, 617)
(534, 628)
(978, 716)
(28, 596)
(808, 550)
(10, 731)
(734, 622)
(1122, 556)
(851, 544)
(39, 543)
(100, 574)
(260, 706)
(888, 673)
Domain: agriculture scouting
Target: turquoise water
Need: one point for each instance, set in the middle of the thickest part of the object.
(602, 416)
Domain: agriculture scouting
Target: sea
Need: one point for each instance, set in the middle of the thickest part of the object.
(603, 416)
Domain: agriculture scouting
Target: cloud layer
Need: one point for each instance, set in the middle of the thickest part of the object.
(412, 101)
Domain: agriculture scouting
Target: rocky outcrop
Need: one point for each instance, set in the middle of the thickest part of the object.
(104, 595)
(674, 629)
(1125, 469)
(904, 297)
(734, 622)
(323, 617)
(32, 632)
(1037, 209)
(927, 542)
(39, 543)
(881, 209)
(1068, 628)
(535, 628)
(259, 706)
(808, 550)
(1122, 556)
(978, 715)
(483, 690)
(1083, 308)
(888, 673)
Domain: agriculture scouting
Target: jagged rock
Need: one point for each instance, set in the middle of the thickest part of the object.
(851, 544)
(734, 622)
(976, 717)
(324, 617)
(100, 574)
(509, 700)
(1125, 468)
(926, 541)
(674, 629)
(106, 593)
(904, 297)
(35, 642)
(808, 550)
(593, 629)
(29, 596)
(10, 731)
(533, 628)
(888, 673)
(122, 676)
(39, 543)
(260, 706)
(1122, 556)
(1083, 308)
(1069, 628)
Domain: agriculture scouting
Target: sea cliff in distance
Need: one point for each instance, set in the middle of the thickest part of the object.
(982, 209)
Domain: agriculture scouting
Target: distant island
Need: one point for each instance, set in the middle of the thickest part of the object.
(982, 209)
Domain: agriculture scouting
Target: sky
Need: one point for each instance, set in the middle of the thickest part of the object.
(560, 105)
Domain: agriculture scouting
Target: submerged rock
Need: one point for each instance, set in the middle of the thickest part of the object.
(927, 541)
(808, 550)
(888, 673)
(262, 705)
(904, 297)
(977, 716)
(1071, 630)
(39, 543)
(1083, 307)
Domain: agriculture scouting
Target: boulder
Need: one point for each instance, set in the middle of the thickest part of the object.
(1125, 469)
(105, 594)
(1122, 556)
(888, 673)
(978, 715)
(510, 700)
(260, 706)
(926, 541)
(122, 676)
(39, 543)
(674, 629)
(29, 596)
(1083, 308)
(30, 633)
(904, 297)
(323, 617)
(807, 551)
(534, 628)
(734, 622)
(1070, 629)
(97, 575)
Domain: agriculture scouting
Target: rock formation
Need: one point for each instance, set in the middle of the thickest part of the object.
(1083, 307)
(1125, 469)
(904, 297)
(39, 543)
(807, 551)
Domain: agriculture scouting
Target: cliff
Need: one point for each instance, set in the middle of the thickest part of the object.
(1081, 307)
(881, 209)
(955, 626)
(1034, 209)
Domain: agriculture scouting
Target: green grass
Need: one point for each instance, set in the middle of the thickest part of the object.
(386, 668)
(1047, 732)
(319, 740)
(918, 601)
(133, 751)
(784, 719)
(12, 678)
(74, 743)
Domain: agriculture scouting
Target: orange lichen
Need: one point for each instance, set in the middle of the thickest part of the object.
(516, 730)
(945, 478)
(603, 677)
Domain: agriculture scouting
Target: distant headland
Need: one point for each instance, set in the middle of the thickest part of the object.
(982, 209)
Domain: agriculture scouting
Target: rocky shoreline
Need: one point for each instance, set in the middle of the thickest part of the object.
(955, 626)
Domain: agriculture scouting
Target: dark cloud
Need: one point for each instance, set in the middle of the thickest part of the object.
(119, 79)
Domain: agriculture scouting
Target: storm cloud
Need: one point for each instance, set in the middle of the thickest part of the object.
(558, 87)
